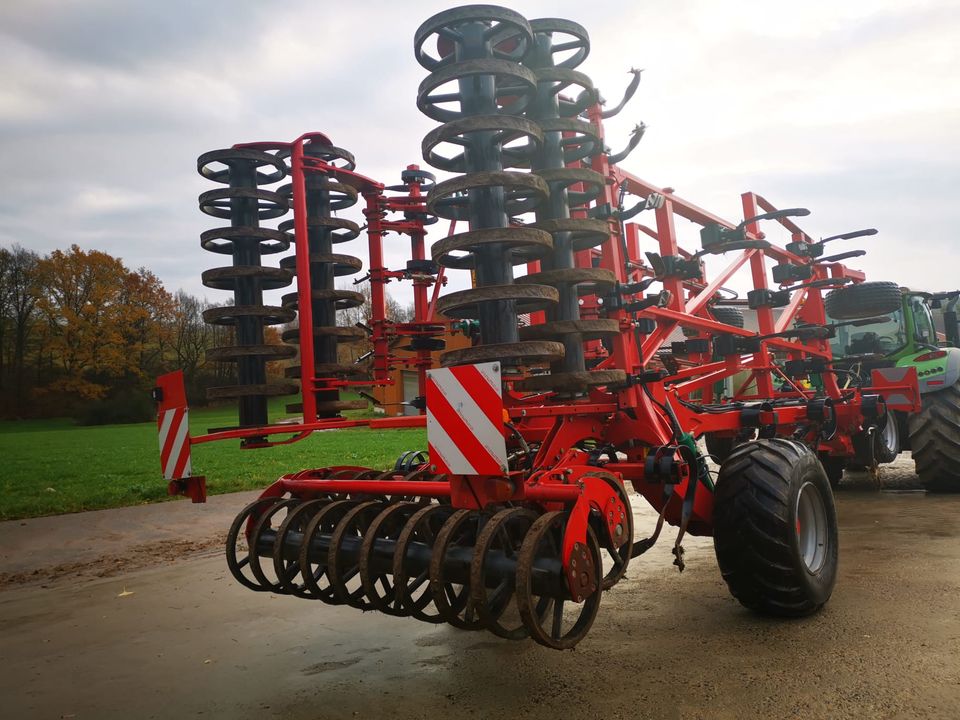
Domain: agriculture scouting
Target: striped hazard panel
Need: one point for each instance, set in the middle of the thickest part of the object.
(465, 420)
(174, 431)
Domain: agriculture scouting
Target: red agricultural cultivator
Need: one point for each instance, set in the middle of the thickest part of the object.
(578, 384)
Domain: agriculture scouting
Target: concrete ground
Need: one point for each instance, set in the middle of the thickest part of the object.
(131, 613)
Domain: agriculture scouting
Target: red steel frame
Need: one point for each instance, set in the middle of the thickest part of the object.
(630, 418)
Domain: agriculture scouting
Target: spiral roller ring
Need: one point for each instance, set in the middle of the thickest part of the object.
(559, 46)
(324, 197)
(245, 204)
(478, 88)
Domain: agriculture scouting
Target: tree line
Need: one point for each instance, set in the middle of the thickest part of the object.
(83, 335)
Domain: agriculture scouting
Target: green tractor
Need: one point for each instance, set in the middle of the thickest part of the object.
(907, 337)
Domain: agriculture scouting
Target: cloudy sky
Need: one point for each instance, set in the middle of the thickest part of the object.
(849, 108)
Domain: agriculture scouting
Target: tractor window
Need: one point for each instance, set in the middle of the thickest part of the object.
(876, 339)
(923, 321)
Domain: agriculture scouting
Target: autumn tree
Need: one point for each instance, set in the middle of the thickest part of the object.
(99, 319)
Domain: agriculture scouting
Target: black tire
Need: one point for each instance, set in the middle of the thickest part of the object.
(935, 440)
(833, 467)
(763, 491)
(719, 446)
(865, 300)
(725, 314)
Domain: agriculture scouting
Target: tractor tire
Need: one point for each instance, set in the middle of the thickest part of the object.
(775, 528)
(935, 440)
(727, 315)
(867, 299)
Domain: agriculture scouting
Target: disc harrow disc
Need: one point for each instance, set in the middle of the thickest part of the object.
(531, 351)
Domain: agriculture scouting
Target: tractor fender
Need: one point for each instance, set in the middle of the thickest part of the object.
(936, 375)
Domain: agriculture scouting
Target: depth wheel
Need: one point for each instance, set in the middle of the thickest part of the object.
(556, 622)
(775, 528)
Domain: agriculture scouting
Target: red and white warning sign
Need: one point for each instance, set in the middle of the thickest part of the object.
(173, 425)
(174, 428)
(465, 420)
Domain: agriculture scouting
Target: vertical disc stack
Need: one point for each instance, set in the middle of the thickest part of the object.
(325, 196)
(563, 93)
(245, 203)
(478, 89)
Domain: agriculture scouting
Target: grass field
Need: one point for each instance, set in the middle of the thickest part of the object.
(55, 466)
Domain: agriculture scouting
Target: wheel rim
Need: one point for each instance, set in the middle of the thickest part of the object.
(812, 538)
(890, 435)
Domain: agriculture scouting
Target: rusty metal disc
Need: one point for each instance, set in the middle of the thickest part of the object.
(589, 281)
(341, 333)
(350, 229)
(493, 596)
(230, 157)
(531, 351)
(237, 391)
(565, 178)
(507, 129)
(227, 240)
(453, 600)
(266, 525)
(571, 381)
(524, 244)
(579, 139)
(567, 37)
(413, 590)
(342, 299)
(585, 232)
(232, 353)
(557, 622)
(504, 25)
(239, 552)
(344, 574)
(522, 193)
(219, 202)
(225, 278)
(326, 370)
(230, 314)
(314, 570)
(378, 583)
(515, 86)
(287, 568)
(529, 298)
(343, 264)
(554, 329)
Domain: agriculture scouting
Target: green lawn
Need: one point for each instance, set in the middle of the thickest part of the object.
(54, 466)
